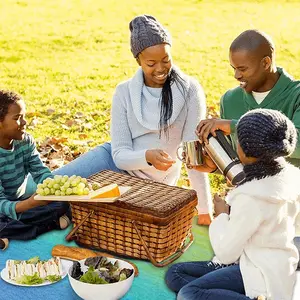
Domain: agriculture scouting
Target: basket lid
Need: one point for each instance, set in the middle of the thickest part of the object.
(146, 196)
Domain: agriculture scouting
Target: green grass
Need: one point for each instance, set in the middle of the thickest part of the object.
(70, 54)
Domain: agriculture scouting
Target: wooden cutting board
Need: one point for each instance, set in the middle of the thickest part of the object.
(85, 198)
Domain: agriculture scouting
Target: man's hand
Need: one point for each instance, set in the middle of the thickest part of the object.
(205, 127)
(159, 159)
(220, 206)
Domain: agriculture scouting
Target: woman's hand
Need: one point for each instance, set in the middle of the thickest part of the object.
(220, 206)
(207, 166)
(205, 127)
(159, 159)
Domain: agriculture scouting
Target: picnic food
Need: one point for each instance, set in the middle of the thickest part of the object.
(73, 253)
(34, 270)
(100, 271)
(108, 191)
(75, 185)
(76, 253)
(63, 185)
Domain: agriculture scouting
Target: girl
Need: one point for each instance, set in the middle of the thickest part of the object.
(253, 244)
(22, 217)
(152, 114)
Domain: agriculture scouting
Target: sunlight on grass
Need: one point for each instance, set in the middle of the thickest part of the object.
(70, 54)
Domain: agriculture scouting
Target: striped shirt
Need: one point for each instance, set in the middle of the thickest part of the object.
(15, 165)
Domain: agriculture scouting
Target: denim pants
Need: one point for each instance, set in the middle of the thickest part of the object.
(91, 162)
(33, 222)
(42, 219)
(206, 280)
(94, 161)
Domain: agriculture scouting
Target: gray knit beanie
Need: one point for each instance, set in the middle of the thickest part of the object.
(266, 133)
(146, 32)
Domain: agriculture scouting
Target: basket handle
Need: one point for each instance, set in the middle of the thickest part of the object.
(169, 259)
(71, 234)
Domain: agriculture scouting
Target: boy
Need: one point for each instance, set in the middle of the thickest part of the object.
(22, 217)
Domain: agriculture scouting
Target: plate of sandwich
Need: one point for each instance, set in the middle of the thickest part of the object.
(34, 271)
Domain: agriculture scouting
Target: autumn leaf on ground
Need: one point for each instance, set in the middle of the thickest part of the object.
(79, 115)
(34, 122)
(50, 111)
(70, 123)
(55, 153)
(83, 136)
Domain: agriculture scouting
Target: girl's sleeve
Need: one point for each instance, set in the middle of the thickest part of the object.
(196, 111)
(123, 154)
(230, 233)
(297, 222)
(7, 207)
(35, 166)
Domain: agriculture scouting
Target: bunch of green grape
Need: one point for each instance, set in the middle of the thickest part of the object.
(63, 186)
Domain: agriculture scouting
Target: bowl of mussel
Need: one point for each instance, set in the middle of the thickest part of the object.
(101, 277)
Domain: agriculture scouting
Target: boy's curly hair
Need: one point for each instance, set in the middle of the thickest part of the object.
(6, 99)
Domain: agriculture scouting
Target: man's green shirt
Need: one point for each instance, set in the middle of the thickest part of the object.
(284, 96)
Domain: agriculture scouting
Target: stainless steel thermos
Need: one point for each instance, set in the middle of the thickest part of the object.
(226, 159)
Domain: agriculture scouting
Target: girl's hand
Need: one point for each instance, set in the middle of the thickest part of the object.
(159, 159)
(220, 206)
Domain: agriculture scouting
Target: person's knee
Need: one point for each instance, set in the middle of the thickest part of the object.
(172, 277)
(183, 294)
(61, 207)
(188, 292)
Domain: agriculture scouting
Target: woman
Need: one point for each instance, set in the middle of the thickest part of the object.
(152, 114)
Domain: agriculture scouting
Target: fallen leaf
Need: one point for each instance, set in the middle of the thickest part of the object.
(79, 115)
(78, 121)
(83, 136)
(56, 163)
(50, 111)
(79, 143)
(70, 123)
(88, 125)
(34, 122)
(65, 127)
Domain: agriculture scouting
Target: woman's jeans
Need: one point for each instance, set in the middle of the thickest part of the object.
(91, 162)
(206, 280)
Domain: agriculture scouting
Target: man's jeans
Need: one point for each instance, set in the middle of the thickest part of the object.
(206, 280)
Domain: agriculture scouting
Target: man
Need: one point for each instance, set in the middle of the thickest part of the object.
(262, 85)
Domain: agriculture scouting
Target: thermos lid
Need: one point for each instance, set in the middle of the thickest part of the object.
(239, 178)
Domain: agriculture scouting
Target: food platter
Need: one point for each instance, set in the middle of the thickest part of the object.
(86, 198)
(65, 267)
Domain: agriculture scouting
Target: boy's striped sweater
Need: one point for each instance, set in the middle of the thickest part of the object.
(15, 165)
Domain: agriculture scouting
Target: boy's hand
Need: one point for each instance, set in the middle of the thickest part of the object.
(220, 206)
(205, 127)
(29, 204)
(159, 159)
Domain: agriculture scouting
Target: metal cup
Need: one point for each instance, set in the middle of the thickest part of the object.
(193, 153)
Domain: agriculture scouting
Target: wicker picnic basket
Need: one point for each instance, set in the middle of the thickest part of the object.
(151, 221)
